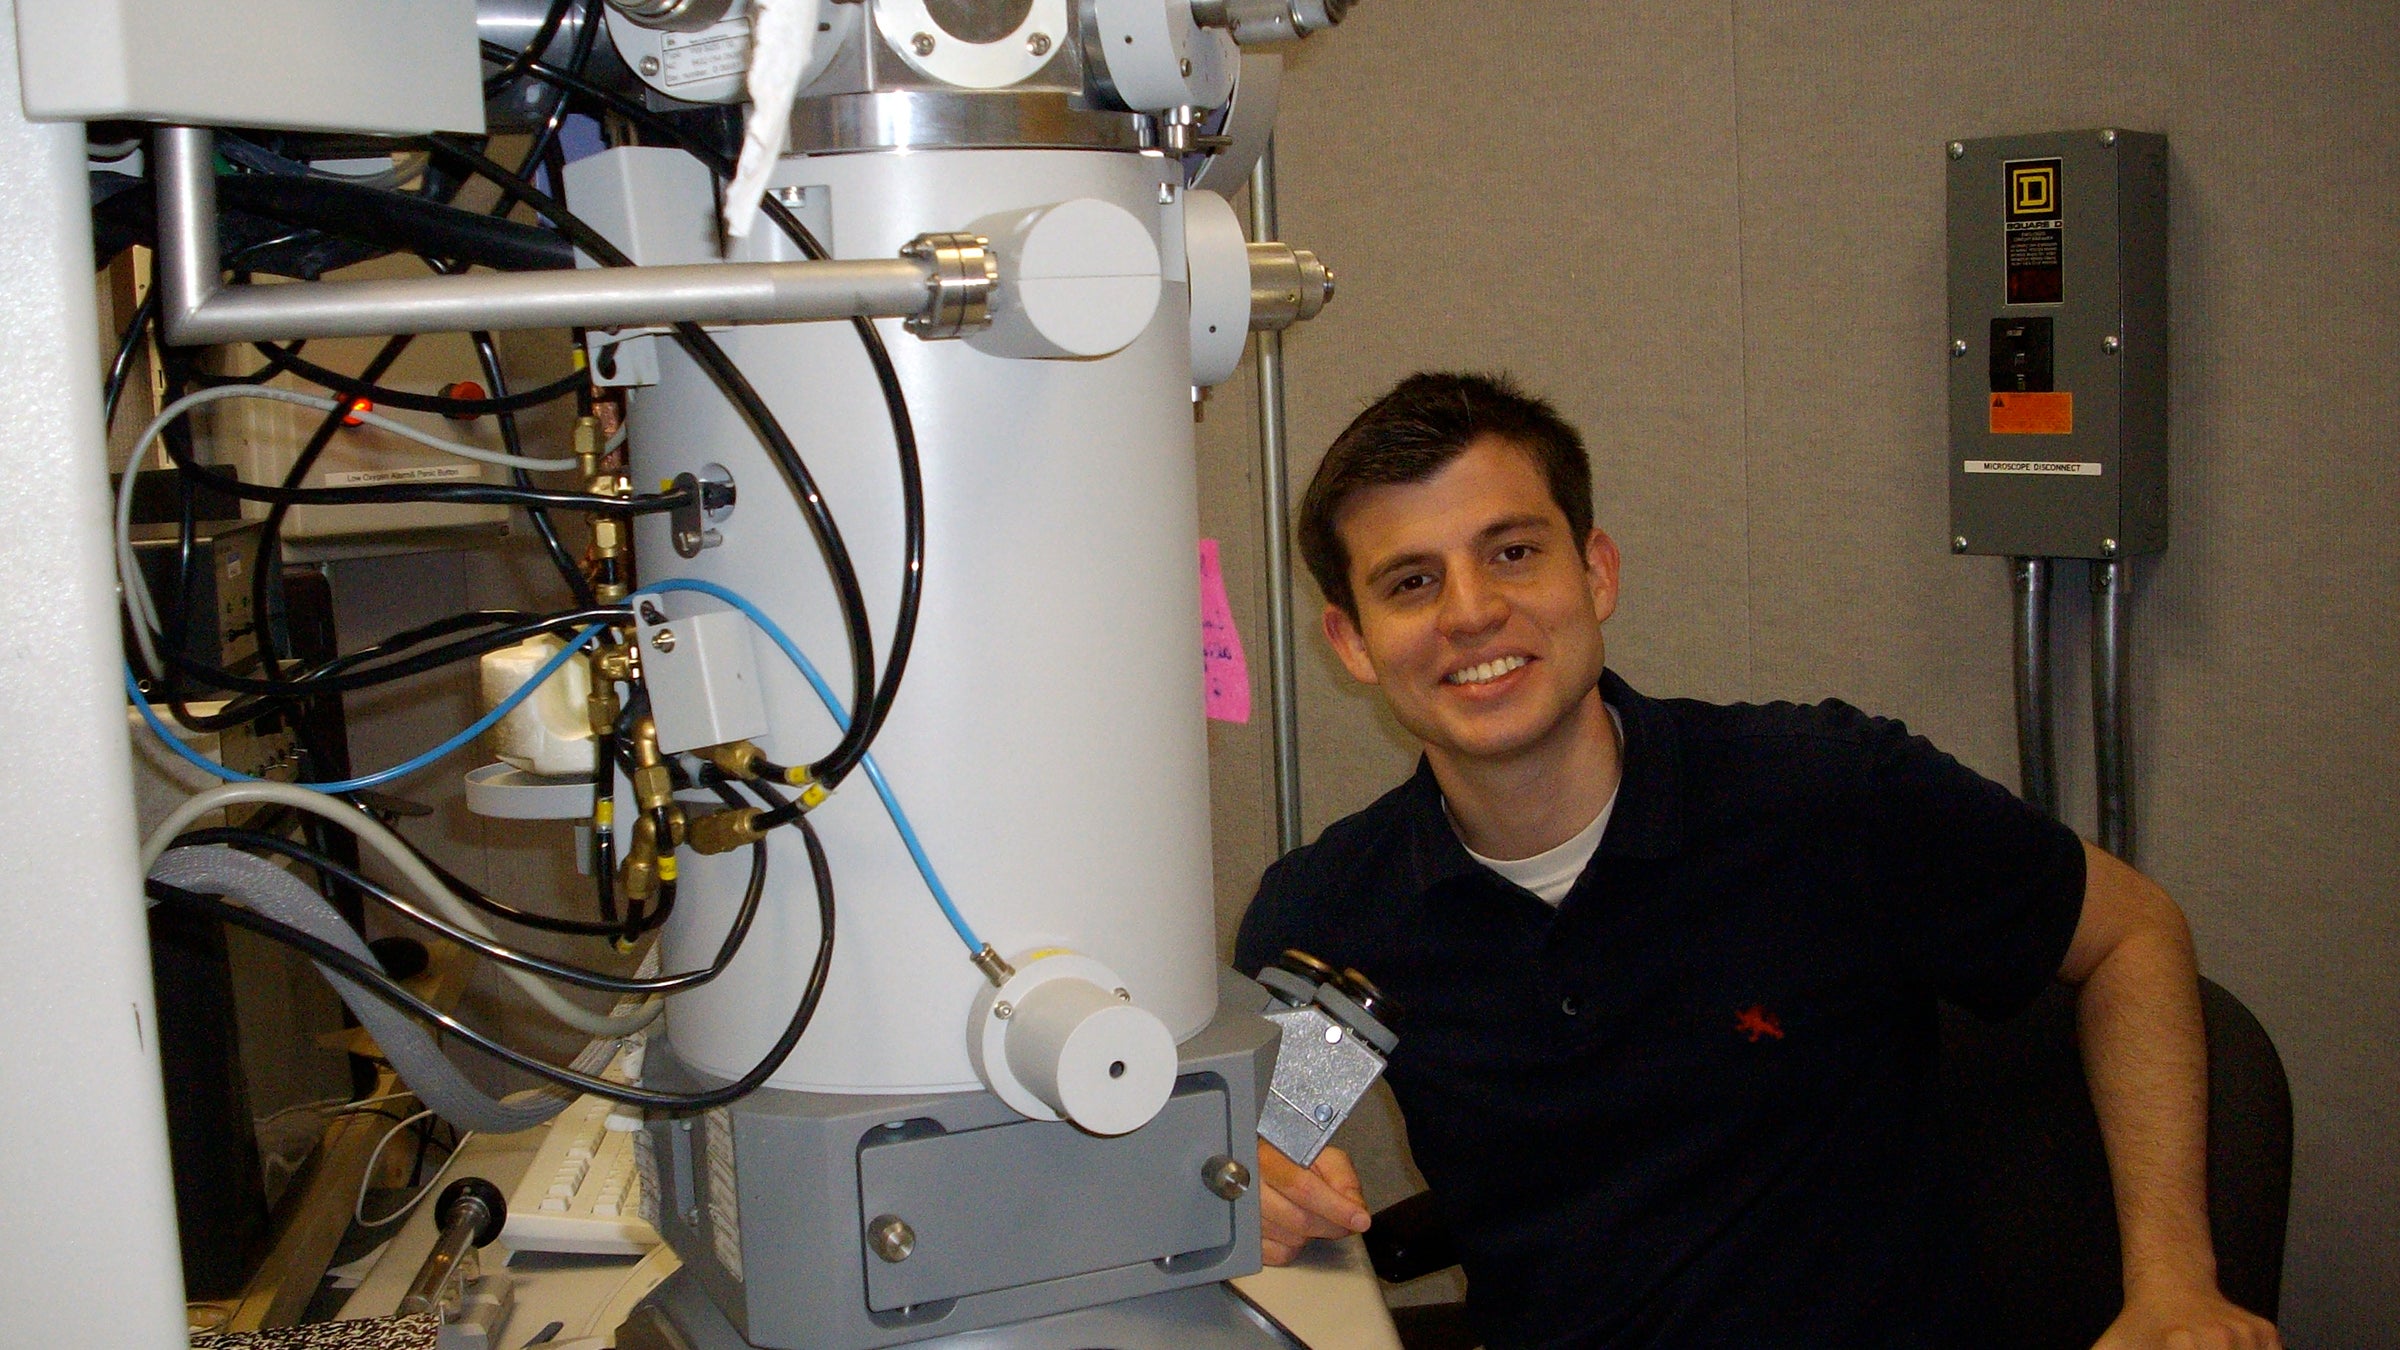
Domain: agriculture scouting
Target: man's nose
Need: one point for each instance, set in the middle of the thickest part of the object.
(1471, 604)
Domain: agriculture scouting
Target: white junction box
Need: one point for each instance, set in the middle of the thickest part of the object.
(703, 677)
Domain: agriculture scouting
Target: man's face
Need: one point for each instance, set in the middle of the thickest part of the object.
(1479, 612)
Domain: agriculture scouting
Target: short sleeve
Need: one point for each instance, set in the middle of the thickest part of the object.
(1987, 889)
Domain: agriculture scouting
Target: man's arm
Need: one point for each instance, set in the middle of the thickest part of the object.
(2145, 1054)
(1321, 1200)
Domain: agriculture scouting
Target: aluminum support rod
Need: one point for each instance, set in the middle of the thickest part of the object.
(1283, 690)
(2111, 742)
(2037, 770)
(202, 311)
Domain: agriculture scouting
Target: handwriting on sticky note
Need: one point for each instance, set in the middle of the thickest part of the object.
(1225, 669)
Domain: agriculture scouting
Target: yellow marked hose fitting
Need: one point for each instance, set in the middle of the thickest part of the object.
(604, 813)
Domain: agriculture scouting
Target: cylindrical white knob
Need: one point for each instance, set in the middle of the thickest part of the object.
(1062, 1039)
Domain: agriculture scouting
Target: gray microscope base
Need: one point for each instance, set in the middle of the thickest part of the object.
(679, 1315)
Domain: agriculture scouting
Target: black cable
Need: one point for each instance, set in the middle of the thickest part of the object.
(367, 976)
(474, 494)
(730, 380)
(489, 948)
(268, 564)
(578, 585)
(515, 64)
(834, 766)
(346, 679)
(502, 910)
(288, 361)
(546, 136)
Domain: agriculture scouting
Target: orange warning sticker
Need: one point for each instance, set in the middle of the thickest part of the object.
(2033, 414)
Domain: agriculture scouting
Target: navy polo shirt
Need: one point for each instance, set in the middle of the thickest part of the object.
(1687, 1106)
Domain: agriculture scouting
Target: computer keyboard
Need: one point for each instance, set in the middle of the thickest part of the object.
(582, 1192)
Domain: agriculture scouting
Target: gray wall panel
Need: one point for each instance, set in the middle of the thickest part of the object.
(1714, 236)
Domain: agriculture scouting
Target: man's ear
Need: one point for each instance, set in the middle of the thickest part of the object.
(1349, 644)
(1600, 569)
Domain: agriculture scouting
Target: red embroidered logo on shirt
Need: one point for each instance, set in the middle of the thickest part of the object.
(1758, 1024)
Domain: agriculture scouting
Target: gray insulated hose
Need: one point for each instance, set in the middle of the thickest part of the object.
(271, 891)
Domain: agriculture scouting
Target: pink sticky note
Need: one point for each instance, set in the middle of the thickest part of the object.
(1226, 670)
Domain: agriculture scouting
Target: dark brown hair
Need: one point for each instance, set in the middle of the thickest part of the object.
(1413, 433)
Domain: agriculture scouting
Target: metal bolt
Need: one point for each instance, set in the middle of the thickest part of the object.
(1185, 66)
(1333, 1035)
(649, 65)
(663, 639)
(922, 44)
(1225, 1177)
(890, 1237)
(1958, 347)
(1123, 996)
(1958, 544)
(2110, 344)
(2108, 548)
(1166, 194)
(687, 542)
(1958, 149)
(792, 196)
(2109, 136)
(1038, 44)
(1004, 1010)
(1323, 1113)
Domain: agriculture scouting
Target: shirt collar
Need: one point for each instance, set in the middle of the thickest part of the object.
(1647, 821)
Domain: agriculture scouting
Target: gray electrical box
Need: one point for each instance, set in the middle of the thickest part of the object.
(2058, 344)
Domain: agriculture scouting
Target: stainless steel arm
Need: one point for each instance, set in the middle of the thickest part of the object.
(201, 310)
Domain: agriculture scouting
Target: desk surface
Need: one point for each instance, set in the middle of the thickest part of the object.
(1329, 1298)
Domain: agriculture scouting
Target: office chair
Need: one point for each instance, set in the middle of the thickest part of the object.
(2016, 1137)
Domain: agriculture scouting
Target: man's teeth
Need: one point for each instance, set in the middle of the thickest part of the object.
(1485, 673)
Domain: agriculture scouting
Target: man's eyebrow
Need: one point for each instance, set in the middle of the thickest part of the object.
(1399, 563)
(1512, 524)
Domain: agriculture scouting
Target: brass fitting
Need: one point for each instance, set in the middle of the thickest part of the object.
(653, 787)
(725, 831)
(638, 876)
(734, 759)
(601, 706)
(613, 662)
(587, 447)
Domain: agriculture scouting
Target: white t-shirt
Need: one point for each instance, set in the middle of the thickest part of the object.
(1551, 873)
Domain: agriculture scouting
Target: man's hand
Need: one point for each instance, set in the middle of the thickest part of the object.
(2200, 1319)
(1321, 1200)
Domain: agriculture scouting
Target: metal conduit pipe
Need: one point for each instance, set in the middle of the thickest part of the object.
(2037, 769)
(2111, 741)
(1283, 690)
(200, 310)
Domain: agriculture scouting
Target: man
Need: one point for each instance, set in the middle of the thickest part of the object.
(1668, 969)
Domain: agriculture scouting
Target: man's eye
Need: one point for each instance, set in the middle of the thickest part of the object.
(1515, 553)
(1414, 581)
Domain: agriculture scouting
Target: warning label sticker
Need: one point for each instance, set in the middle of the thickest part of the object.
(2068, 468)
(422, 473)
(2036, 226)
(2050, 414)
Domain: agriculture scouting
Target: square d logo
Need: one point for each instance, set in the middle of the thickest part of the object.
(2033, 189)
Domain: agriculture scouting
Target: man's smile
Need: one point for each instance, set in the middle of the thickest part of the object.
(1487, 671)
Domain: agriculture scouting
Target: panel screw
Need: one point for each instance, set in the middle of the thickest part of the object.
(1323, 1114)
(890, 1237)
(1004, 1010)
(1038, 44)
(1225, 1177)
(1958, 347)
(2109, 136)
(922, 44)
(1958, 544)
(1123, 996)
(1185, 66)
(663, 639)
(2108, 548)
(1333, 1035)
(649, 65)
(2110, 343)
(1958, 149)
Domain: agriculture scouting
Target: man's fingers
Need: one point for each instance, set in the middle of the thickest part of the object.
(1297, 1215)
(1334, 1166)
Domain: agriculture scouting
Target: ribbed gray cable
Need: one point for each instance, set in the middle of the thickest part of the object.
(271, 891)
